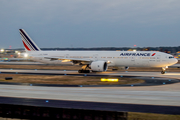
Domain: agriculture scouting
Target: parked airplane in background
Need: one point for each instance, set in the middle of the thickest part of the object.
(98, 61)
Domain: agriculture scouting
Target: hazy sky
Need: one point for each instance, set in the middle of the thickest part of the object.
(91, 23)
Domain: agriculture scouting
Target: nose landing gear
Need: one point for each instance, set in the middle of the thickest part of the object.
(164, 70)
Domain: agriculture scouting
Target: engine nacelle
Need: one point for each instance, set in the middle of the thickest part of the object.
(99, 66)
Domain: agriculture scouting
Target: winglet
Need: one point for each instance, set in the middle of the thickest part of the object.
(28, 43)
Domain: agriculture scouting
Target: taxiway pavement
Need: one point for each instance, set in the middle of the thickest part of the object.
(174, 75)
(161, 95)
(167, 95)
(154, 95)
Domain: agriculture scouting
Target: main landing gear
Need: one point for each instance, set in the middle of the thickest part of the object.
(83, 70)
(164, 70)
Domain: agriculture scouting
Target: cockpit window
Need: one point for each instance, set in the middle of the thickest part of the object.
(171, 57)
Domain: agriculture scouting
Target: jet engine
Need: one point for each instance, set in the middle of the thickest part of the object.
(99, 66)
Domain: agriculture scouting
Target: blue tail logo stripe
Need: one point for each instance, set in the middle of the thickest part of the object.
(28, 40)
(27, 43)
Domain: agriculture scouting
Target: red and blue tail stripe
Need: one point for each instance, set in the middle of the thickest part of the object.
(28, 42)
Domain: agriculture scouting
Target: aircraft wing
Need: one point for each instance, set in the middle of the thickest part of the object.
(69, 59)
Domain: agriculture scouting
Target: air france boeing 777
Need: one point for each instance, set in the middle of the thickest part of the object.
(98, 61)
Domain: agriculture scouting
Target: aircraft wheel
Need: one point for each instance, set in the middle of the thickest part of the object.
(162, 72)
(84, 71)
(79, 71)
(87, 71)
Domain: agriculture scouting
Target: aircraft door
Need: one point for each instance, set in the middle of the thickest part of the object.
(95, 56)
(66, 56)
(145, 63)
(158, 59)
(133, 61)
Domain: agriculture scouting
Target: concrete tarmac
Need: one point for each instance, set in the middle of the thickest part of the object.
(173, 75)
(168, 95)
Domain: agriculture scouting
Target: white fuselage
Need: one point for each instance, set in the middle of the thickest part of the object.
(114, 58)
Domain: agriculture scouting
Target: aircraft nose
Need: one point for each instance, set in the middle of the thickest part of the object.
(172, 61)
(175, 61)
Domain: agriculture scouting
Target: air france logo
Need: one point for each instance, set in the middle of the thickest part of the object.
(137, 54)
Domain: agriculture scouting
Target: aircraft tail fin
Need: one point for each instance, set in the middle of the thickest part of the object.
(28, 43)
